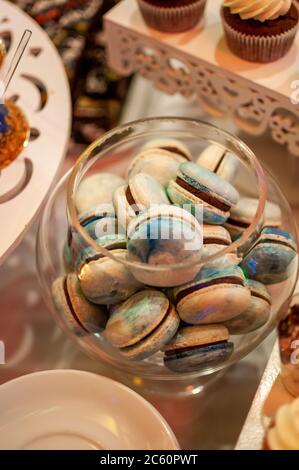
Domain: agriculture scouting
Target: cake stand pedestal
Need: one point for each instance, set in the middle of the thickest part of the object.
(41, 88)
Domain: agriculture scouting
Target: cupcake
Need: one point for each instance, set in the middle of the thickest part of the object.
(283, 434)
(260, 30)
(172, 16)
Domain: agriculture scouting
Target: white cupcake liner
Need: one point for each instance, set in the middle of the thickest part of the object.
(260, 49)
(172, 19)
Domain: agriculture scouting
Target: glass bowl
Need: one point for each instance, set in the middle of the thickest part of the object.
(113, 153)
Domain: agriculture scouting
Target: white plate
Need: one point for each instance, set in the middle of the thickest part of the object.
(25, 183)
(68, 409)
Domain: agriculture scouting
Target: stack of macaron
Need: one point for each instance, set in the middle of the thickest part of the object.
(165, 278)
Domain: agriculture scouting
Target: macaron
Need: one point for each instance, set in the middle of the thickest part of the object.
(198, 347)
(273, 258)
(165, 235)
(142, 192)
(142, 325)
(219, 160)
(104, 280)
(97, 189)
(170, 145)
(99, 221)
(80, 316)
(242, 216)
(256, 315)
(216, 239)
(216, 295)
(159, 163)
(203, 193)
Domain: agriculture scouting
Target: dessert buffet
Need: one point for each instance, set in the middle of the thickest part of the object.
(166, 251)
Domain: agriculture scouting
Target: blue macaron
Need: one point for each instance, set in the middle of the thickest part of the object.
(256, 315)
(99, 221)
(273, 258)
(202, 192)
(198, 347)
(142, 325)
(164, 236)
(214, 296)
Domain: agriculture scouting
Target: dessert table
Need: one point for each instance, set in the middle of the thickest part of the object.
(196, 420)
(217, 416)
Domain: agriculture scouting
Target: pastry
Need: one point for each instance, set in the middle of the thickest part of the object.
(161, 236)
(257, 313)
(79, 315)
(197, 188)
(97, 189)
(142, 192)
(14, 132)
(260, 30)
(272, 259)
(142, 325)
(215, 295)
(198, 347)
(172, 16)
(105, 280)
(220, 161)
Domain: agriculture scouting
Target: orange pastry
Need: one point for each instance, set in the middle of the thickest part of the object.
(14, 132)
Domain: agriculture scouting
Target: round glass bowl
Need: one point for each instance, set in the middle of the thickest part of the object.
(65, 241)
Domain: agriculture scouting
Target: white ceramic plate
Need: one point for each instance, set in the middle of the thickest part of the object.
(41, 89)
(68, 409)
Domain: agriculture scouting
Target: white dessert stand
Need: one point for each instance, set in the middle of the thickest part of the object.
(198, 63)
(41, 88)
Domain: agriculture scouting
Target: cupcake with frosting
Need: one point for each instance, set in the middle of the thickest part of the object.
(284, 432)
(172, 16)
(260, 30)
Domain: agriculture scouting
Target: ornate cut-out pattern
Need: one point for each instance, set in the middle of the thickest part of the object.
(19, 185)
(254, 109)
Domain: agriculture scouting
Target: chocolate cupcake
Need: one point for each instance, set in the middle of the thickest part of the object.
(172, 16)
(260, 30)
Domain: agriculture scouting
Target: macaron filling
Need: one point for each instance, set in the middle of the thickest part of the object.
(203, 195)
(94, 218)
(224, 280)
(131, 201)
(175, 150)
(168, 311)
(215, 241)
(70, 305)
(275, 242)
(219, 163)
(261, 296)
(237, 223)
(117, 246)
(192, 348)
